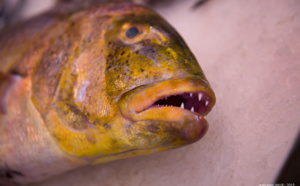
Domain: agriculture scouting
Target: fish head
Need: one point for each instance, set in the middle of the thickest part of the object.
(157, 84)
(131, 87)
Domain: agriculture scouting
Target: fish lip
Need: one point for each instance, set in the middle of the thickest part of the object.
(137, 105)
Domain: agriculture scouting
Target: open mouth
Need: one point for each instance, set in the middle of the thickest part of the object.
(170, 100)
(196, 102)
(169, 113)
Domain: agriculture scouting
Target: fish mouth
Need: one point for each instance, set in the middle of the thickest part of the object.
(169, 100)
(198, 102)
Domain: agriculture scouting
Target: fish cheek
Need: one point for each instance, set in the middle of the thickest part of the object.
(128, 75)
(130, 66)
(119, 59)
(115, 73)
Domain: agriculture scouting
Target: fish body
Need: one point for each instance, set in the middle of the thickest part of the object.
(87, 86)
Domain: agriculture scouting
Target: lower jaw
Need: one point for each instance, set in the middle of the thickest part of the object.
(167, 114)
(173, 138)
(172, 134)
(152, 136)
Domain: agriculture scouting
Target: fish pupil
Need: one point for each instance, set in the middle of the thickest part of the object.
(132, 32)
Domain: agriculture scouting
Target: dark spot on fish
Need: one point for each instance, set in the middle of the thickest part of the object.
(128, 126)
(199, 3)
(196, 74)
(87, 121)
(16, 72)
(89, 40)
(58, 138)
(109, 67)
(78, 125)
(142, 70)
(65, 112)
(10, 174)
(17, 173)
(107, 126)
(153, 128)
(132, 32)
(114, 142)
(110, 56)
(90, 137)
(122, 53)
(70, 44)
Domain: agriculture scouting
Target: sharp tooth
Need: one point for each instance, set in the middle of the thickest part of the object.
(191, 94)
(192, 109)
(199, 96)
(206, 103)
(182, 105)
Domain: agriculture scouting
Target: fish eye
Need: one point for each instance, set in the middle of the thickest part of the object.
(131, 33)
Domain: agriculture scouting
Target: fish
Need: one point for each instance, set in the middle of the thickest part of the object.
(93, 85)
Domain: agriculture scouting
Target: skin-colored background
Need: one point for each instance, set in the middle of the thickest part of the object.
(250, 52)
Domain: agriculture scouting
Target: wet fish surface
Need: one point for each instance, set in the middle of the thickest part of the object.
(90, 85)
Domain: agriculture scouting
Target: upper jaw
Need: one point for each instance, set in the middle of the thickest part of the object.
(164, 100)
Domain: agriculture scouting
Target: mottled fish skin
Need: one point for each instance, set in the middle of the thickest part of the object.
(80, 87)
